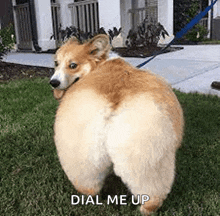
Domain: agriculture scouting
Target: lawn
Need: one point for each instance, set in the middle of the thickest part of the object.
(32, 181)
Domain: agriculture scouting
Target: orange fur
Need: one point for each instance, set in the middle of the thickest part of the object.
(116, 80)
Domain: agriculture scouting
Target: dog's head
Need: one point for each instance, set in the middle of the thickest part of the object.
(74, 60)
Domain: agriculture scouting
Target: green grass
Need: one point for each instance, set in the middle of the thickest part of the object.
(208, 41)
(33, 183)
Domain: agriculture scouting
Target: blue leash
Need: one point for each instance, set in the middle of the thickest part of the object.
(182, 32)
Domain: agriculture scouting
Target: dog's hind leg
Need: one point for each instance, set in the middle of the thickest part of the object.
(91, 179)
(80, 141)
(141, 143)
(85, 162)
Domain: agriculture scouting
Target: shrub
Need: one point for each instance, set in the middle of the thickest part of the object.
(147, 34)
(198, 33)
(7, 41)
(185, 11)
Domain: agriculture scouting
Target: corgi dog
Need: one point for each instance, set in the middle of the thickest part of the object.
(112, 115)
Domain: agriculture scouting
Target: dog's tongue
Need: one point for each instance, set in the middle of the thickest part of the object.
(58, 94)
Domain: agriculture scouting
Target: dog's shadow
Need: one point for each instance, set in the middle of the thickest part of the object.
(113, 186)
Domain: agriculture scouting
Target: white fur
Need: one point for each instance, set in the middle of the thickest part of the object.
(89, 138)
(137, 138)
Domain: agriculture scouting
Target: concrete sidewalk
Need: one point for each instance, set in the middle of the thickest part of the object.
(191, 69)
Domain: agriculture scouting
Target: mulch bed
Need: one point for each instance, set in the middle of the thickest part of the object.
(10, 71)
(137, 52)
(142, 52)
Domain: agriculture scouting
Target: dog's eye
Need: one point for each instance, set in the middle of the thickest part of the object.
(73, 65)
(56, 63)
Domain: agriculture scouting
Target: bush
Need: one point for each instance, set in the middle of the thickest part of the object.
(198, 32)
(7, 41)
(147, 34)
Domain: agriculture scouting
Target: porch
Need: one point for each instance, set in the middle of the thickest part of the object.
(37, 20)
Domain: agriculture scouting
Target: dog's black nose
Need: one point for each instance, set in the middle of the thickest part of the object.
(55, 83)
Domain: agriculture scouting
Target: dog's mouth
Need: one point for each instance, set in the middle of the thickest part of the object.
(76, 80)
(59, 93)
(56, 83)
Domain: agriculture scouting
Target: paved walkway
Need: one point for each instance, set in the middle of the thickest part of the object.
(191, 69)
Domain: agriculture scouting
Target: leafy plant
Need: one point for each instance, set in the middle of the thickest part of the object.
(198, 33)
(147, 34)
(72, 31)
(7, 41)
(114, 33)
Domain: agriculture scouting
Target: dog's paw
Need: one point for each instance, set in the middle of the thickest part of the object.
(151, 206)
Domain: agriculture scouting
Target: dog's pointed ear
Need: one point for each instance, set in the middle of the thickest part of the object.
(99, 46)
(71, 40)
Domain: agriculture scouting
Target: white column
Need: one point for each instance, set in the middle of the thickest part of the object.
(65, 13)
(15, 25)
(109, 14)
(141, 3)
(216, 12)
(165, 14)
(44, 24)
(216, 9)
(126, 22)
